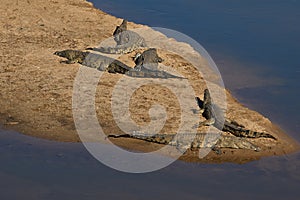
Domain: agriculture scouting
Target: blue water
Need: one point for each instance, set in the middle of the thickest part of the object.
(259, 40)
(37, 169)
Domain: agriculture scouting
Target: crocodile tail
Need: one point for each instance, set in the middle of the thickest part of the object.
(141, 137)
(255, 134)
(165, 75)
(120, 49)
(160, 139)
(118, 136)
(151, 74)
(137, 74)
(241, 132)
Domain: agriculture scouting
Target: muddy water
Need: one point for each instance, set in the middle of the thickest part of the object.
(256, 47)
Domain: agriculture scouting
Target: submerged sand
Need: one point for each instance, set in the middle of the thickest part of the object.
(36, 89)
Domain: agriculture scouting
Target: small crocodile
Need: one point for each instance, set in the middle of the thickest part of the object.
(103, 63)
(127, 41)
(211, 113)
(193, 141)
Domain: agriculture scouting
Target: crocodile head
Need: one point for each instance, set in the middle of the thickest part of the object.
(73, 56)
(61, 53)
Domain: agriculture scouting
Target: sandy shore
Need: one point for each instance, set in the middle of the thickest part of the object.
(36, 89)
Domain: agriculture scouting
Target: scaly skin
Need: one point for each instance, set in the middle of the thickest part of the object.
(212, 118)
(193, 141)
(151, 74)
(103, 63)
(73, 56)
(99, 62)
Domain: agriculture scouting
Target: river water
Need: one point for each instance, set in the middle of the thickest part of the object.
(256, 47)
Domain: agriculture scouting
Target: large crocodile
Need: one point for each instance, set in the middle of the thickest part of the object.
(103, 63)
(212, 115)
(148, 59)
(193, 141)
(147, 62)
(127, 41)
(100, 62)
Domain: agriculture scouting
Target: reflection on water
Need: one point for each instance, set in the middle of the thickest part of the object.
(38, 169)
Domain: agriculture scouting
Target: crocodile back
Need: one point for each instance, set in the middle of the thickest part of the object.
(128, 42)
(104, 63)
(148, 59)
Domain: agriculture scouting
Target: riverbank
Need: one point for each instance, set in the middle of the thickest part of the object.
(36, 97)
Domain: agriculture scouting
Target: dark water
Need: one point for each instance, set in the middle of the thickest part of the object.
(256, 47)
(38, 169)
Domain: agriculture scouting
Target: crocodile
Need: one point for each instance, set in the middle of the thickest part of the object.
(147, 63)
(100, 62)
(212, 116)
(127, 41)
(103, 63)
(193, 141)
(148, 59)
